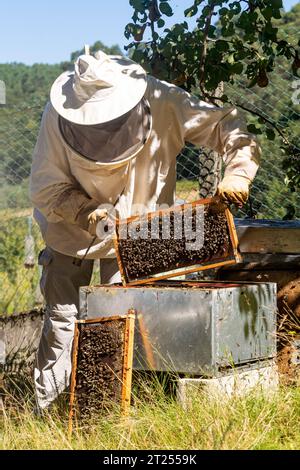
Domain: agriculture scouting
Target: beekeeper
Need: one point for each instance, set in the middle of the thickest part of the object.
(110, 135)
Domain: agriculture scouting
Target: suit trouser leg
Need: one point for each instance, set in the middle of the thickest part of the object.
(60, 284)
(109, 271)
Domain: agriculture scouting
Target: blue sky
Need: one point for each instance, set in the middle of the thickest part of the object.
(49, 30)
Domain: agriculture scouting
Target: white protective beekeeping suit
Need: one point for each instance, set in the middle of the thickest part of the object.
(111, 135)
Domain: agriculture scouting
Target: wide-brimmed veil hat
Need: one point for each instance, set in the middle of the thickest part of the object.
(100, 89)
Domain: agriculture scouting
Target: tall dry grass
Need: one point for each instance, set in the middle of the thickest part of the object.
(158, 421)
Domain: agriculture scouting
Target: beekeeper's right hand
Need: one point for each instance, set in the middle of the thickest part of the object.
(75, 207)
(94, 218)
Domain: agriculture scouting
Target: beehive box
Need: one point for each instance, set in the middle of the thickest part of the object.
(101, 366)
(194, 327)
(168, 243)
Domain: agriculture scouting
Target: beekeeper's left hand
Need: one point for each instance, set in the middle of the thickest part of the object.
(234, 190)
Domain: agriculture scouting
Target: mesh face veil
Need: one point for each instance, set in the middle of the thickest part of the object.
(113, 141)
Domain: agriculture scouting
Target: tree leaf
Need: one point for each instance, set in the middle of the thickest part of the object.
(137, 5)
(277, 4)
(237, 68)
(161, 23)
(270, 133)
(138, 56)
(222, 46)
(277, 14)
(165, 9)
(253, 129)
(192, 11)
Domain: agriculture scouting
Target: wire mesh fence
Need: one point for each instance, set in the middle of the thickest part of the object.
(198, 172)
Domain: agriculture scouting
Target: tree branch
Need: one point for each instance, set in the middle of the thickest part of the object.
(152, 23)
(204, 51)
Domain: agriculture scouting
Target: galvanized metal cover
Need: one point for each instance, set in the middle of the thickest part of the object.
(193, 328)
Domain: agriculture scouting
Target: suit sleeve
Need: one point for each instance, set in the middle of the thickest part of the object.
(53, 189)
(220, 129)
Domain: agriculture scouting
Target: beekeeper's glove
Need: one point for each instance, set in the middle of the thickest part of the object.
(234, 190)
(88, 218)
(94, 218)
(75, 207)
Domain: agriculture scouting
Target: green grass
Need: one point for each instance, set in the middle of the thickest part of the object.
(159, 422)
(187, 190)
(186, 185)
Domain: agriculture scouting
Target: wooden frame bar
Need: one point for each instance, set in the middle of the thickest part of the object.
(127, 353)
(127, 362)
(233, 236)
(231, 258)
(73, 378)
